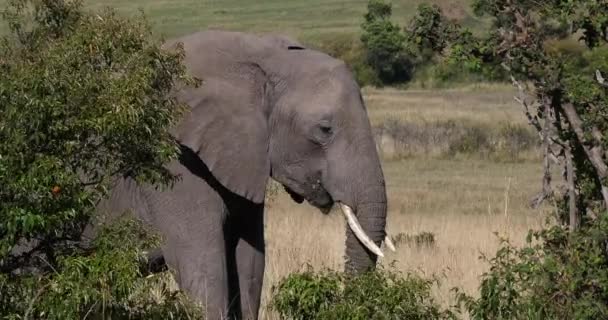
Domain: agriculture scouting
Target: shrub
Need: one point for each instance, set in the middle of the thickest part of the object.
(557, 275)
(379, 294)
(429, 31)
(83, 98)
(450, 138)
(106, 282)
(423, 239)
(385, 44)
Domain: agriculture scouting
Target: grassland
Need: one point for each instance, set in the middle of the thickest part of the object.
(297, 18)
(463, 201)
(480, 103)
(302, 19)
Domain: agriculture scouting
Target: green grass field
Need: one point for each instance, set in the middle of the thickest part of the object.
(303, 19)
(297, 18)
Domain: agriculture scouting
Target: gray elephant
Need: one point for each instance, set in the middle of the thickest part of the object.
(268, 107)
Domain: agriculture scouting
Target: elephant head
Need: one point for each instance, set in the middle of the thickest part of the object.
(269, 107)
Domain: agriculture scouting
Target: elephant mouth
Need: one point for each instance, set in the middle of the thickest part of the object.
(319, 199)
(294, 196)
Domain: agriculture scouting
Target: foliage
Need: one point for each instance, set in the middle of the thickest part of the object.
(572, 101)
(557, 275)
(568, 97)
(398, 56)
(385, 44)
(374, 295)
(83, 98)
(430, 31)
(106, 282)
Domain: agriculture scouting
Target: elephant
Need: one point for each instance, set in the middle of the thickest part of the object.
(268, 107)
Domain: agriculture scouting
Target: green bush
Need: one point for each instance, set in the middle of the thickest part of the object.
(557, 275)
(83, 98)
(106, 282)
(420, 240)
(385, 44)
(374, 295)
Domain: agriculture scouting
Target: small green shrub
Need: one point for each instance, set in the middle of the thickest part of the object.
(475, 139)
(557, 275)
(306, 295)
(512, 139)
(379, 294)
(423, 239)
(106, 282)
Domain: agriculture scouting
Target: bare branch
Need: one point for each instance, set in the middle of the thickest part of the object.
(570, 178)
(522, 99)
(591, 214)
(544, 132)
(547, 190)
(594, 153)
(600, 79)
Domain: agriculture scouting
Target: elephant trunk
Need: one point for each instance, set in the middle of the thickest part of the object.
(371, 215)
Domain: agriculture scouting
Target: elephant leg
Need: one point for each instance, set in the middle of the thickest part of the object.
(247, 263)
(201, 271)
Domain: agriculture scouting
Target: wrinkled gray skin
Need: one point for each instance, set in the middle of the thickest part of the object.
(268, 108)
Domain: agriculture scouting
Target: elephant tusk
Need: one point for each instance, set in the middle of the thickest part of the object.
(389, 243)
(354, 225)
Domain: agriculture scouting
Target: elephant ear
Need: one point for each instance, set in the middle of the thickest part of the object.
(227, 127)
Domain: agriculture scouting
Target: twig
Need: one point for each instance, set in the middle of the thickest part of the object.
(572, 209)
(507, 197)
(30, 307)
(546, 153)
(90, 310)
(544, 132)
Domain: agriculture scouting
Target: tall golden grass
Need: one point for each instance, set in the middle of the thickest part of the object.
(466, 202)
(463, 201)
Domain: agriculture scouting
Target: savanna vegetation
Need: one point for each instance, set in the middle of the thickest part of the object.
(83, 97)
(561, 271)
(464, 165)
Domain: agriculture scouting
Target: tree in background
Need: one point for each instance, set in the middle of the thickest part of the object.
(563, 275)
(385, 44)
(430, 32)
(84, 97)
(563, 96)
(398, 55)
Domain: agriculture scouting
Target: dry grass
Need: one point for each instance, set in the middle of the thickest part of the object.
(477, 103)
(462, 201)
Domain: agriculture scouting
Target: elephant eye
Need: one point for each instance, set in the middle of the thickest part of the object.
(321, 134)
(326, 129)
